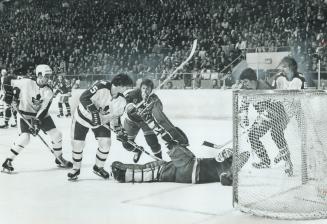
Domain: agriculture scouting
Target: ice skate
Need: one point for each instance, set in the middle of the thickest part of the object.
(68, 115)
(13, 125)
(5, 125)
(137, 156)
(73, 175)
(100, 172)
(60, 115)
(61, 162)
(7, 166)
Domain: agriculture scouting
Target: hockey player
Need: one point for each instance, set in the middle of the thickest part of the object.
(184, 167)
(133, 123)
(7, 109)
(33, 99)
(272, 116)
(64, 92)
(100, 107)
(289, 77)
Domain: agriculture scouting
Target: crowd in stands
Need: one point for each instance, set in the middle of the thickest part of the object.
(149, 38)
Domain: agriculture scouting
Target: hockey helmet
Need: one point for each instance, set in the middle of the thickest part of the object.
(43, 72)
(3, 72)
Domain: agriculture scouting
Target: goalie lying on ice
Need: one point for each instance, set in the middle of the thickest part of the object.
(184, 167)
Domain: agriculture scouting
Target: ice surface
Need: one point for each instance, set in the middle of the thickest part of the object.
(40, 194)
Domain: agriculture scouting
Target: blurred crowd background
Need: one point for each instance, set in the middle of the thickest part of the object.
(87, 40)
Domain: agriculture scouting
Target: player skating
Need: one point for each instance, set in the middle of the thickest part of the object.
(64, 92)
(271, 116)
(33, 99)
(101, 105)
(133, 122)
(184, 167)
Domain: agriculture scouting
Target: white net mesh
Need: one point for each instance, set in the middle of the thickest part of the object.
(286, 134)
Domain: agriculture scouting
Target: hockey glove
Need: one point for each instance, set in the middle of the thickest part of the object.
(35, 123)
(121, 134)
(132, 113)
(96, 118)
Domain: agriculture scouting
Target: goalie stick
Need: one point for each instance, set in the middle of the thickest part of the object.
(215, 146)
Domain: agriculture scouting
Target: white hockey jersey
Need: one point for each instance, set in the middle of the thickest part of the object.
(34, 101)
(110, 109)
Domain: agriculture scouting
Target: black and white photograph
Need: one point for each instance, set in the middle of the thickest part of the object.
(163, 111)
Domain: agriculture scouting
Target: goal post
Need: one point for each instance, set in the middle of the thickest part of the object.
(286, 133)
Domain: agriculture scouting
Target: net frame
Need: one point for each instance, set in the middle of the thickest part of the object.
(304, 185)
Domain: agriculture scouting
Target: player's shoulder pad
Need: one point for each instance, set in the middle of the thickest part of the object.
(102, 84)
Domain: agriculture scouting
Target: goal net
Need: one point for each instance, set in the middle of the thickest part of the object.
(286, 134)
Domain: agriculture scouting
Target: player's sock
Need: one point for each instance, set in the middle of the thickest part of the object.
(101, 156)
(68, 110)
(61, 112)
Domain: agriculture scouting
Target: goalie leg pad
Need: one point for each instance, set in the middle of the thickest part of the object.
(103, 151)
(148, 172)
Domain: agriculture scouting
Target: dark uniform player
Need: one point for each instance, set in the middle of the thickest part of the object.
(184, 167)
(34, 99)
(101, 105)
(272, 116)
(7, 89)
(133, 123)
(64, 92)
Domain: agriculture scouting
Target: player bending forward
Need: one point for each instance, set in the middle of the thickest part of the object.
(272, 116)
(33, 99)
(101, 105)
(184, 167)
(133, 123)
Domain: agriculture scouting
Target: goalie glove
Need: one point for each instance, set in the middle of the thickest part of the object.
(35, 123)
(121, 134)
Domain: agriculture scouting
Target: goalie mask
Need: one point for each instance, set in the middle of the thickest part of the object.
(43, 74)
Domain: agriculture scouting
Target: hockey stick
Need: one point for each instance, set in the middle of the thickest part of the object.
(215, 146)
(40, 137)
(136, 147)
(195, 43)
